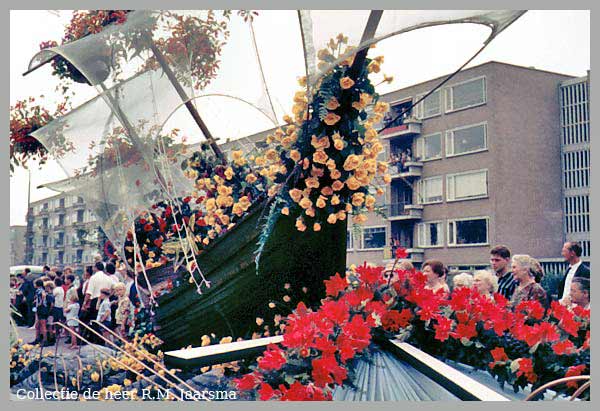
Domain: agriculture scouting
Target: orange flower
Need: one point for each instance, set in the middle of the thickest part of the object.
(335, 174)
(346, 82)
(331, 118)
(300, 224)
(321, 202)
(327, 191)
(332, 219)
(337, 185)
(310, 212)
(335, 200)
(295, 194)
(320, 157)
(358, 199)
(338, 144)
(250, 178)
(341, 215)
(320, 143)
(332, 104)
(285, 211)
(305, 203)
(312, 182)
(360, 218)
(353, 183)
(317, 227)
(295, 155)
(352, 162)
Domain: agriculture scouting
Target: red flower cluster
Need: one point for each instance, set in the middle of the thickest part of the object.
(323, 341)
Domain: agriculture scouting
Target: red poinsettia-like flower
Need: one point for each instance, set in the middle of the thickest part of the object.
(563, 347)
(336, 311)
(465, 330)
(526, 369)
(401, 253)
(573, 371)
(326, 370)
(370, 275)
(393, 320)
(325, 345)
(335, 285)
(531, 308)
(355, 337)
(273, 358)
(442, 327)
(499, 356)
(355, 298)
(247, 382)
(541, 333)
(266, 392)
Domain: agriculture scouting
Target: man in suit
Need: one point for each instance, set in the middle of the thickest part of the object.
(571, 252)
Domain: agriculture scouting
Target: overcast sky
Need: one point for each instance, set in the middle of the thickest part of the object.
(557, 41)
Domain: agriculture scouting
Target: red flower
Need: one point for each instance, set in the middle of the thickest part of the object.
(540, 333)
(200, 222)
(148, 227)
(370, 275)
(531, 308)
(581, 312)
(563, 347)
(498, 354)
(442, 328)
(355, 337)
(143, 221)
(266, 392)
(158, 242)
(326, 370)
(401, 253)
(356, 297)
(574, 371)
(336, 311)
(335, 285)
(393, 320)
(299, 392)
(273, 358)
(247, 382)
(467, 330)
(325, 345)
(526, 369)
(187, 199)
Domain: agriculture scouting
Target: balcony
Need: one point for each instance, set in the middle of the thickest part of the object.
(415, 255)
(79, 205)
(43, 212)
(404, 211)
(410, 170)
(408, 127)
(59, 245)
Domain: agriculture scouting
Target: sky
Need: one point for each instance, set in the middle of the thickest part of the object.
(557, 41)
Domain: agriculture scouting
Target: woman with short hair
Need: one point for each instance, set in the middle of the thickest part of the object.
(524, 269)
(464, 280)
(485, 282)
(435, 272)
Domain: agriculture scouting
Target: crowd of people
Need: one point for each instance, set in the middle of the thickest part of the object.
(104, 298)
(517, 278)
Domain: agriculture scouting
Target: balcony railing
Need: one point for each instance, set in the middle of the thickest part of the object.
(408, 126)
(404, 211)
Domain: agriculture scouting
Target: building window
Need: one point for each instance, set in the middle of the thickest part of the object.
(44, 258)
(430, 190)
(429, 107)
(577, 214)
(466, 186)
(80, 216)
(373, 237)
(61, 202)
(61, 219)
(468, 94)
(429, 147)
(349, 240)
(430, 234)
(472, 231)
(466, 140)
(79, 257)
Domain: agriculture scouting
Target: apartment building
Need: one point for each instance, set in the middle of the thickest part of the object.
(17, 244)
(479, 164)
(575, 156)
(62, 232)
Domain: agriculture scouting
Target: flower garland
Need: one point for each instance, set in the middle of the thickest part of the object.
(25, 118)
(526, 346)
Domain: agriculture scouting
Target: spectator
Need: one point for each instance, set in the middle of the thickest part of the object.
(27, 291)
(485, 282)
(580, 292)
(571, 252)
(527, 289)
(110, 271)
(500, 261)
(132, 290)
(72, 315)
(462, 280)
(392, 277)
(104, 312)
(59, 301)
(97, 282)
(124, 312)
(435, 272)
(71, 289)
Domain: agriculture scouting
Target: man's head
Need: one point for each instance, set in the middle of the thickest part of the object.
(39, 283)
(104, 293)
(26, 271)
(500, 259)
(46, 269)
(110, 268)
(571, 252)
(580, 291)
(69, 279)
(99, 266)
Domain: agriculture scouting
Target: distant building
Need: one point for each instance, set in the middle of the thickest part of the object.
(17, 244)
(575, 153)
(62, 232)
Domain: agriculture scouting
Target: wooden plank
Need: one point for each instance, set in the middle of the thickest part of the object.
(218, 354)
(461, 385)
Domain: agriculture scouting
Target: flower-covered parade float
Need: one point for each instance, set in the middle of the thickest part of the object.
(220, 245)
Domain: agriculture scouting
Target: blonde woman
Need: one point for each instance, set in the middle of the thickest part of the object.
(462, 280)
(402, 265)
(485, 282)
(524, 269)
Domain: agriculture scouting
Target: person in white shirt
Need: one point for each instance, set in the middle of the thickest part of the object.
(571, 252)
(97, 282)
